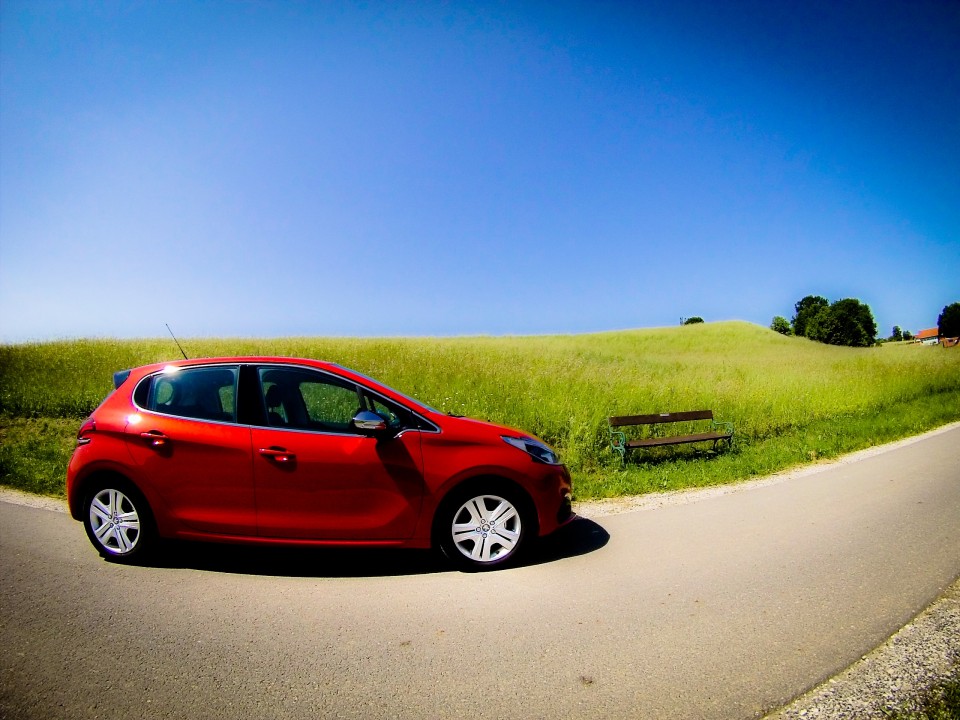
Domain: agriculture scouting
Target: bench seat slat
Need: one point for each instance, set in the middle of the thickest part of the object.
(678, 439)
(661, 418)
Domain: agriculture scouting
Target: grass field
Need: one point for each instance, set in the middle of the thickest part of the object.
(791, 400)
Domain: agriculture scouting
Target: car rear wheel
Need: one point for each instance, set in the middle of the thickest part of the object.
(118, 522)
(482, 530)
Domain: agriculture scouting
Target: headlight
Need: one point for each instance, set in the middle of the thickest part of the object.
(536, 449)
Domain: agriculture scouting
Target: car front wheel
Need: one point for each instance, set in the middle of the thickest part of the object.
(118, 523)
(483, 530)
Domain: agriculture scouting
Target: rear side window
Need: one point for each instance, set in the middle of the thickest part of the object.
(206, 393)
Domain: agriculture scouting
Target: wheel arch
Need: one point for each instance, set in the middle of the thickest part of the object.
(487, 483)
(103, 477)
(131, 511)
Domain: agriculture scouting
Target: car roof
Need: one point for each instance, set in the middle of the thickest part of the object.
(336, 369)
(242, 360)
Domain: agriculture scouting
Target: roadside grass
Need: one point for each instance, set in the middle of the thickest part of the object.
(34, 453)
(792, 401)
(941, 702)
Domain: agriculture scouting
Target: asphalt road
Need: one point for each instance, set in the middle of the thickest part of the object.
(720, 608)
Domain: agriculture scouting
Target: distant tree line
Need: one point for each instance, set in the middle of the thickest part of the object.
(899, 335)
(850, 322)
(846, 322)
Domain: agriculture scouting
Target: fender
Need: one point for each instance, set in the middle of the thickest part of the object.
(77, 489)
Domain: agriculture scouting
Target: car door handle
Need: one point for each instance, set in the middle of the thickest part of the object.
(277, 454)
(155, 438)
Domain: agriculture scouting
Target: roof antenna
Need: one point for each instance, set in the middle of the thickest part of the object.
(176, 341)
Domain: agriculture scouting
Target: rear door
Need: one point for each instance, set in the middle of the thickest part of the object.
(191, 451)
(317, 477)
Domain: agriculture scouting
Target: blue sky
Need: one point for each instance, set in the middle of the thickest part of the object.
(421, 168)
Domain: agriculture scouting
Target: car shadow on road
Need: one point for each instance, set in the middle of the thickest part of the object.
(579, 537)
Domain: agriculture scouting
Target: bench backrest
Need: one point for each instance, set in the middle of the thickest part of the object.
(661, 418)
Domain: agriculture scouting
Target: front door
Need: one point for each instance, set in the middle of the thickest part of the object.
(317, 477)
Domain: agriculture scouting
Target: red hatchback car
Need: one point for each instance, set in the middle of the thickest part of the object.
(292, 451)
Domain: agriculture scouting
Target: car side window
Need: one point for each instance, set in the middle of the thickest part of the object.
(204, 393)
(305, 400)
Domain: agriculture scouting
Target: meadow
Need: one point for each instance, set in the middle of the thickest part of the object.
(791, 400)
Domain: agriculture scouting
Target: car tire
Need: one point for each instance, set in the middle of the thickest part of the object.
(118, 522)
(482, 528)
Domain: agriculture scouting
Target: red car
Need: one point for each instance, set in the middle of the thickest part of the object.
(282, 450)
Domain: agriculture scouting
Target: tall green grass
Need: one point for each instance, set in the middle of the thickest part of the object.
(790, 399)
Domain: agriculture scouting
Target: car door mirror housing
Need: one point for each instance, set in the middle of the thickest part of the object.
(369, 423)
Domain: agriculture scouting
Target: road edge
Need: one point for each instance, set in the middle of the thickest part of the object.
(895, 675)
(614, 506)
(42, 502)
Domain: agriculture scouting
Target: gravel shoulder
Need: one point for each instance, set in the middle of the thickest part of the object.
(895, 675)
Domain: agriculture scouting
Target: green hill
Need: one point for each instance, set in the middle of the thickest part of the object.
(791, 400)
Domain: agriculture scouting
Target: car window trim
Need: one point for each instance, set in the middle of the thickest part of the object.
(359, 387)
(427, 425)
(180, 368)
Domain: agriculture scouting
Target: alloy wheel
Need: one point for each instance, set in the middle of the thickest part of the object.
(486, 529)
(114, 522)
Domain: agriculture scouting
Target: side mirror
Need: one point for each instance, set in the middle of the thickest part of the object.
(369, 422)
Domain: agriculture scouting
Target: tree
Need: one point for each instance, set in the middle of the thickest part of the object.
(846, 322)
(948, 324)
(807, 309)
(693, 321)
(818, 324)
(781, 325)
(907, 335)
(897, 334)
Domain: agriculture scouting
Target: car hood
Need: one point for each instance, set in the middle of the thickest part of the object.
(474, 427)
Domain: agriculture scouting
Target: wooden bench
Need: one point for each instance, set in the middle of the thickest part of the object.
(620, 444)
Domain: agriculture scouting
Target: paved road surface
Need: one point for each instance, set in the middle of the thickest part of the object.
(720, 608)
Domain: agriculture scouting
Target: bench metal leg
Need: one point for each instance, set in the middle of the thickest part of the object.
(618, 443)
(728, 440)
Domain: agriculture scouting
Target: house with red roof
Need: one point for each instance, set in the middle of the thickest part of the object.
(930, 336)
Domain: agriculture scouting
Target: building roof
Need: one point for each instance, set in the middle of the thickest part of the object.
(927, 334)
